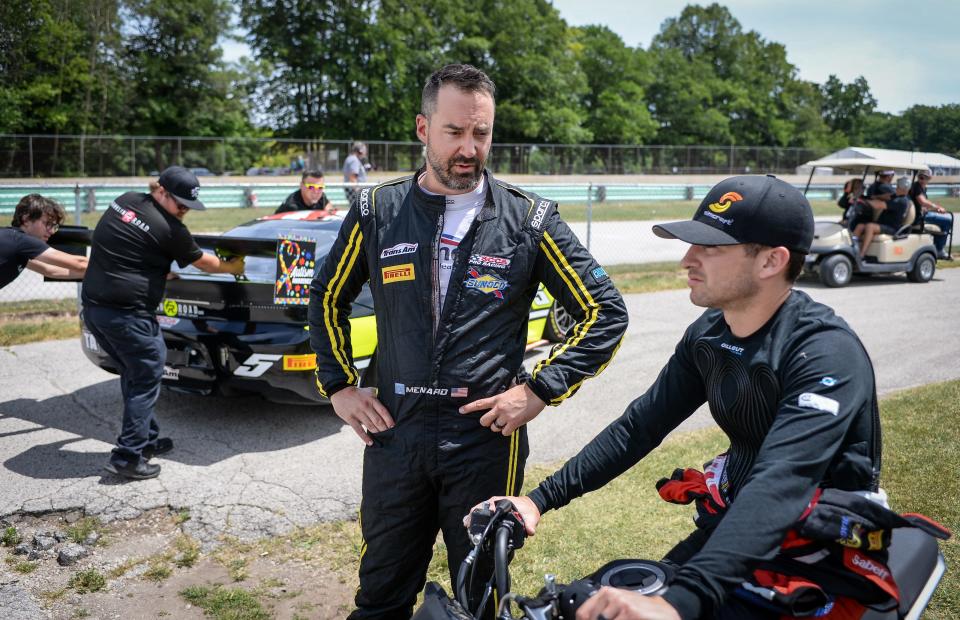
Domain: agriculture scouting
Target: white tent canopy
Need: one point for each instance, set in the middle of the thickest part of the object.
(900, 161)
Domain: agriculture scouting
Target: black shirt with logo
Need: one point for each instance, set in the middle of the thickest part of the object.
(797, 402)
(16, 248)
(294, 202)
(133, 245)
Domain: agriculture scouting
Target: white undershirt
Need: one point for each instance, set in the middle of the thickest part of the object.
(461, 210)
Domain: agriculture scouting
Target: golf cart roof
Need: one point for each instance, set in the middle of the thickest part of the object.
(866, 164)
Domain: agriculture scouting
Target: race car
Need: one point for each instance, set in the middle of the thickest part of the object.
(228, 337)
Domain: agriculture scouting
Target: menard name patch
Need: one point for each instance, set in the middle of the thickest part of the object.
(398, 273)
(307, 361)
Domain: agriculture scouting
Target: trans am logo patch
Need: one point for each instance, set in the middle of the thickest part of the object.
(486, 283)
(295, 263)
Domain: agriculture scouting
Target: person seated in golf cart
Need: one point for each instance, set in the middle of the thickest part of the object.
(938, 223)
(882, 188)
(852, 191)
(887, 215)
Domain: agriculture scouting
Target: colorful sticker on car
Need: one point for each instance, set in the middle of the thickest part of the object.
(293, 363)
(398, 273)
(486, 283)
(295, 263)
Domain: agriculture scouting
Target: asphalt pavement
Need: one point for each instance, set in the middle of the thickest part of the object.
(249, 468)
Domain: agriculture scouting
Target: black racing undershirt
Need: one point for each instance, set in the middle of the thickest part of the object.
(796, 400)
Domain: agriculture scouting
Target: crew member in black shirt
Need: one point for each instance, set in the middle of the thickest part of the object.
(23, 245)
(133, 245)
(786, 380)
(309, 196)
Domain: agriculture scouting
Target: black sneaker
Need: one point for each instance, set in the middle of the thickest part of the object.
(141, 471)
(162, 446)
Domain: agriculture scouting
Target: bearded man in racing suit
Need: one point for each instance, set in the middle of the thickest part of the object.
(454, 258)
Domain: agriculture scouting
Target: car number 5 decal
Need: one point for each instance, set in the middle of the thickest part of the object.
(256, 365)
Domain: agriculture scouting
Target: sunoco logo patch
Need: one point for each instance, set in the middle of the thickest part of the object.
(398, 273)
(486, 283)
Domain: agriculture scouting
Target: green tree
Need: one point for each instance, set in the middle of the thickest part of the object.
(616, 76)
(845, 107)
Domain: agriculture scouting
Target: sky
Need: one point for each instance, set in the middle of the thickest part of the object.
(909, 52)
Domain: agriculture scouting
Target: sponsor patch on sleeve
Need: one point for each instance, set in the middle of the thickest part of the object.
(600, 274)
(818, 402)
(398, 273)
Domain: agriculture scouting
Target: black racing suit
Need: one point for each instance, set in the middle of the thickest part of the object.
(796, 400)
(426, 472)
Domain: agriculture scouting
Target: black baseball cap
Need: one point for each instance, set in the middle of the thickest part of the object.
(183, 185)
(748, 209)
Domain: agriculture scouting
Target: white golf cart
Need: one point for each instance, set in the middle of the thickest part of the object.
(833, 255)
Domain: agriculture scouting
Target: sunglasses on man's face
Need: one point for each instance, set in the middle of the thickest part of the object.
(314, 186)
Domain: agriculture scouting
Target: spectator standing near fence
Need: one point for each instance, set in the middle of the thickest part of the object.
(133, 245)
(24, 244)
(354, 170)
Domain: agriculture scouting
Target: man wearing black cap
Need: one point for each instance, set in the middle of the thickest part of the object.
(785, 378)
(133, 245)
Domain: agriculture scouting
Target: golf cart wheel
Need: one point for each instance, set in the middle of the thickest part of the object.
(836, 271)
(923, 269)
(559, 324)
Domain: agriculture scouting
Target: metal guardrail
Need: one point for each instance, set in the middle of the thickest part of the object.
(92, 197)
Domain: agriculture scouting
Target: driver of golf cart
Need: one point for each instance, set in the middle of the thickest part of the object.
(791, 386)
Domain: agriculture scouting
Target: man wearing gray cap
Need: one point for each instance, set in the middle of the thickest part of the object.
(133, 245)
(786, 380)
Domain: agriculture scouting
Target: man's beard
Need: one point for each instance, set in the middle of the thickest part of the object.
(453, 180)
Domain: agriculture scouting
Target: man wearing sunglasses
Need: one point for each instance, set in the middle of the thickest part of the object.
(134, 243)
(310, 195)
(24, 244)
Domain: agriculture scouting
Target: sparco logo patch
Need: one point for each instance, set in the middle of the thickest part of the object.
(537, 220)
(398, 273)
(364, 202)
(723, 220)
(494, 262)
(400, 248)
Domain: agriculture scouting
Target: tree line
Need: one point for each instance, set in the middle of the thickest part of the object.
(331, 69)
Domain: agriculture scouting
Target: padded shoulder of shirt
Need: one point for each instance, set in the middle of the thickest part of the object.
(390, 192)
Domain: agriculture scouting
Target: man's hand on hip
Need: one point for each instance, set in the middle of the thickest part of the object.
(616, 604)
(360, 408)
(508, 410)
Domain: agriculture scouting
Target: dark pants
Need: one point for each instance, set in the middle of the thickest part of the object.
(136, 345)
(421, 477)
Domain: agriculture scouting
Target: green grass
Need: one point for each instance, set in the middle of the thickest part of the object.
(22, 322)
(79, 531)
(87, 581)
(225, 603)
(10, 537)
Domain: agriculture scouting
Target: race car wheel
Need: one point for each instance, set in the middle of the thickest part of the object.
(559, 324)
(923, 269)
(836, 271)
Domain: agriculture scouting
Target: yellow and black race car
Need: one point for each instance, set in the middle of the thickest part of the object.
(230, 337)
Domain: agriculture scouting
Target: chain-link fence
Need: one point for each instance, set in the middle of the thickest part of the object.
(29, 156)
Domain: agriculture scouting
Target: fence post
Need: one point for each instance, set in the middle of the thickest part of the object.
(133, 157)
(223, 155)
(179, 151)
(76, 204)
(589, 212)
(30, 149)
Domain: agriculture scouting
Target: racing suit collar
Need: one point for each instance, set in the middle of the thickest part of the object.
(437, 203)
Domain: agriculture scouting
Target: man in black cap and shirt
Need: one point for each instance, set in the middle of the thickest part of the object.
(786, 380)
(133, 245)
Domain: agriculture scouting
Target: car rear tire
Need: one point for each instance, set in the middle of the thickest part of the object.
(559, 324)
(923, 269)
(836, 271)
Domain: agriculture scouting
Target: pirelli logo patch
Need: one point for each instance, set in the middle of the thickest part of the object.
(307, 361)
(398, 273)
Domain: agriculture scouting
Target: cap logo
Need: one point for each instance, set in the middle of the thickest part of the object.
(725, 201)
(194, 192)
